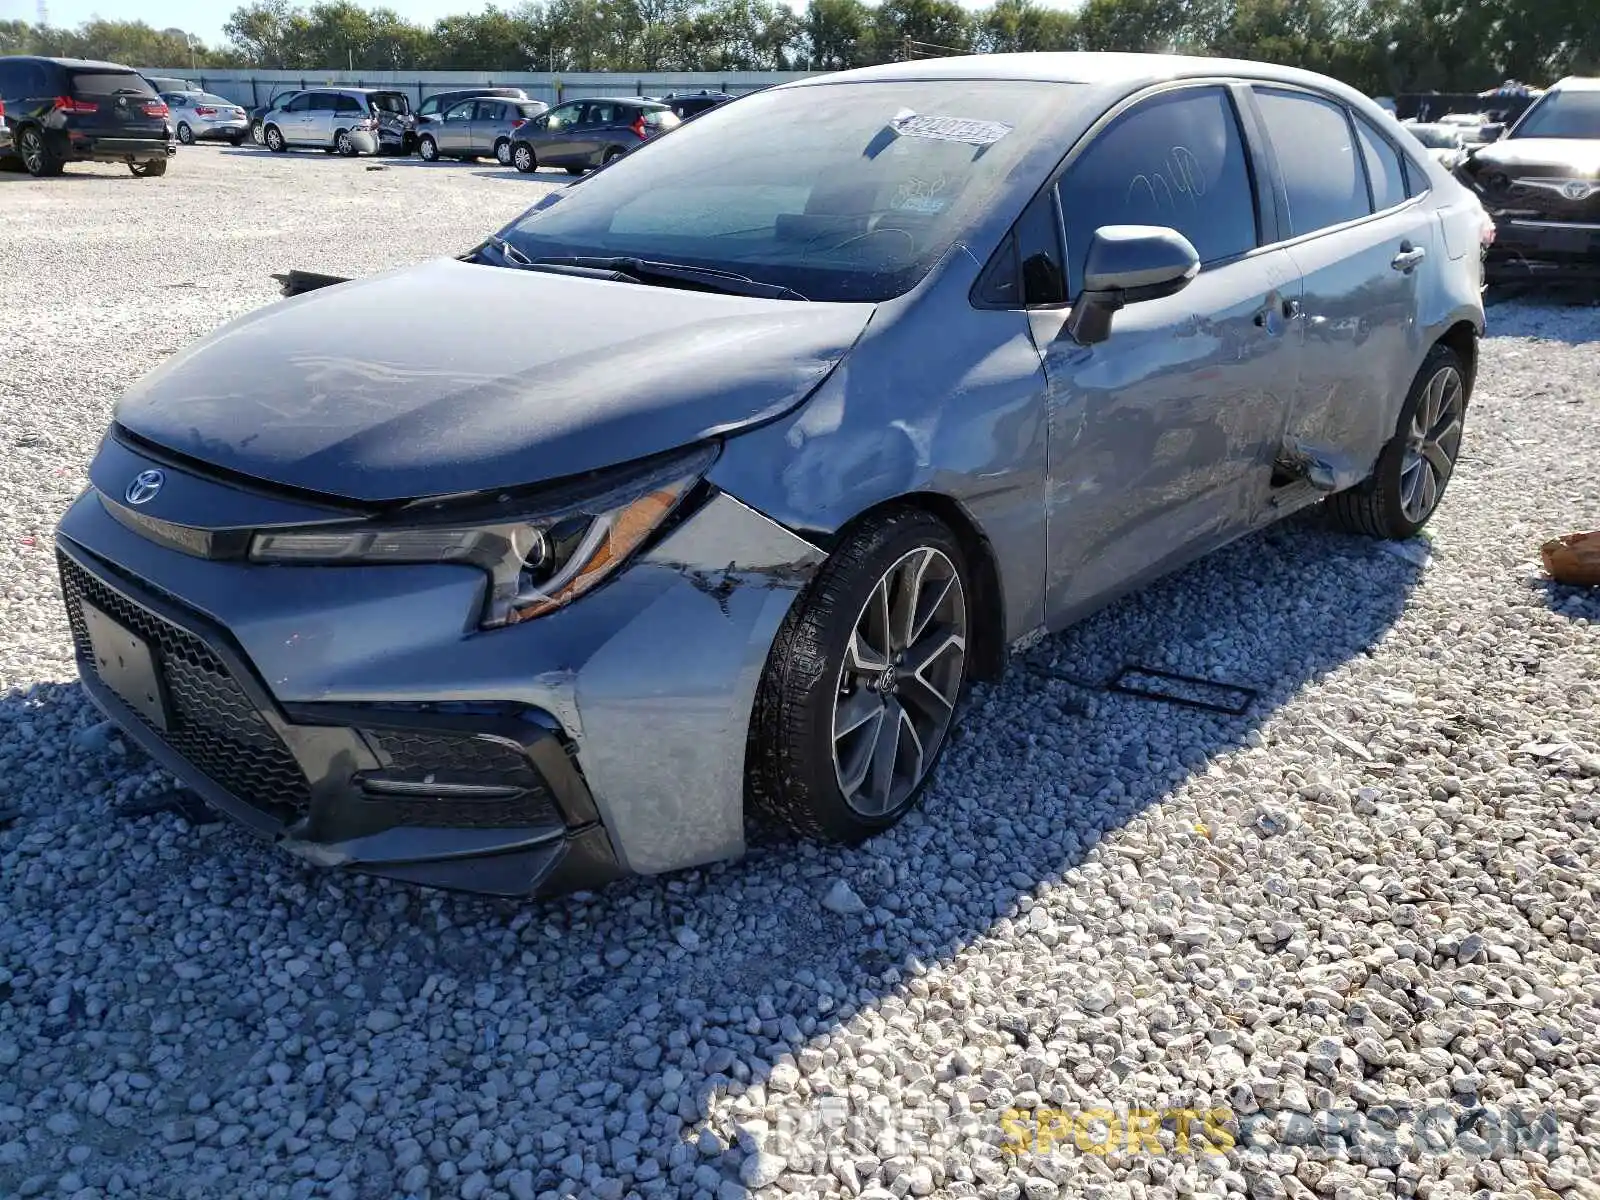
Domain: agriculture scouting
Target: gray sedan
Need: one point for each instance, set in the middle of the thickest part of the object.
(808, 431)
(478, 128)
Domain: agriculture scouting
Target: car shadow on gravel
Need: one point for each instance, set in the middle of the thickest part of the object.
(699, 982)
(1568, 600)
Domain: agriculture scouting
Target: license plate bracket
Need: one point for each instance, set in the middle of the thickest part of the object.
(126, 665)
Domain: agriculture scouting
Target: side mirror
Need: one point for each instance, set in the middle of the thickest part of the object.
(1128, 264)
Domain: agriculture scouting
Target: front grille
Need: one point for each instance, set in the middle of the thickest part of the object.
(418, 756)
(212, 722)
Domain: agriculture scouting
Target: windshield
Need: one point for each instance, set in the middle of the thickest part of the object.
(865, 190)
(209, 98)
(394, 102)
(1562, 115)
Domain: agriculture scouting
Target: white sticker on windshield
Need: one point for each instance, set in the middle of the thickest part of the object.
(949, 129)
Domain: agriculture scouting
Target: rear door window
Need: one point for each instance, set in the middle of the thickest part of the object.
(1384, 172)
(347, 104)
(599, 114)
(1175, 160)
(300, 103)
(1317, 157)
(490, 110)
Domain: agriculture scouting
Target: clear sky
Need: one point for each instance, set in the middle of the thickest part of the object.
(204, 18)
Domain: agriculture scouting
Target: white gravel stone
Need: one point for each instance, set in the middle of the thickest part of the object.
(1106, 903)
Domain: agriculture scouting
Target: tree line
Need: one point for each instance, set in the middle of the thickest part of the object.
(1380, 46)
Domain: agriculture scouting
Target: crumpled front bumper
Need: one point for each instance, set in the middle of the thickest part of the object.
(1527, 246)
(358, 717)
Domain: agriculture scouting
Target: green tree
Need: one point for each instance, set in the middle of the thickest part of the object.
(838, 34)
(1013, 26)
(937, 26)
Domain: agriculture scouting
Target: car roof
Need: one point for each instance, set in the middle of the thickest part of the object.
(75, 63)
(1577, 83)
(1129, 72)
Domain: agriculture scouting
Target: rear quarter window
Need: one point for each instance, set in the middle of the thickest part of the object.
(1317, 157)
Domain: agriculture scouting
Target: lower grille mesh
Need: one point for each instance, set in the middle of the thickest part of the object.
(213, 723)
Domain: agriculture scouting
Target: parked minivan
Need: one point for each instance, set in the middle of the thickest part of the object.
(331, 119)
(65, 110)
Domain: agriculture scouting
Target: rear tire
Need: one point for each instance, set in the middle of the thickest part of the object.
(275, 141)
(611, 156)
(345, 144)
(257, 134)
(185, 134)
(427, 149)
(524, 159)
(152, 169)
(574, 170)
(1418, 462)
(502, 152)
(37, 157)
(875, 648)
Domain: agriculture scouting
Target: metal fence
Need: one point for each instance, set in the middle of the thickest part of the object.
(252, 88)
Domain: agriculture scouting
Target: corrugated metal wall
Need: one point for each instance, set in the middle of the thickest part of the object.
(258, 87)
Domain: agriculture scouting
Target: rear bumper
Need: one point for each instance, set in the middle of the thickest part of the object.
(212, 132)
(88, 147)
(1527, 247)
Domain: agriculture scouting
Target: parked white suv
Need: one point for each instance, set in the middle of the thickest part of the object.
(330, 119)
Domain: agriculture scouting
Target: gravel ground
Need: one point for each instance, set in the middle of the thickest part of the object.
(1359, 918)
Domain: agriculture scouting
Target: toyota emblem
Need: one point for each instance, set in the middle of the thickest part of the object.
(144, 487)
(1577, 190)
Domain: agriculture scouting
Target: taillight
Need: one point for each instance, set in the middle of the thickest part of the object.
(2, 110)
(155, 108)
(515, 125)
(638, 128)
(202, 111)
(69, 104)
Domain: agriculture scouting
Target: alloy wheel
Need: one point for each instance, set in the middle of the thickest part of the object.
(523, 159)
(274, 140)
(899, 682)
(185, 134)
(502, 154)
(1432, 443)
(344, 144)
(428, 150)
(33, 151)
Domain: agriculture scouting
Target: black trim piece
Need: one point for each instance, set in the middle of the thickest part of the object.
(1247, 696)
(541, 746)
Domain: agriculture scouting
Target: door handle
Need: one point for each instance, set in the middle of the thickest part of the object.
(1292, 310)
(1408, 258)
(1289, 309)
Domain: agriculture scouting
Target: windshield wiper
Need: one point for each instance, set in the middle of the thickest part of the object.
(643, 270)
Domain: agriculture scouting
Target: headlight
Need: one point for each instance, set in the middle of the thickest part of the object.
(539, 560)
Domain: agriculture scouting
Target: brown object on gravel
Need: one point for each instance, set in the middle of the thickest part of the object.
(1574, 558)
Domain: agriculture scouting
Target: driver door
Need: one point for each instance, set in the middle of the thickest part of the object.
(552, 140)
(453, 133)
(1163, 436)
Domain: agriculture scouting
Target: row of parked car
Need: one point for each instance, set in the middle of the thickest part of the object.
(502, 123)
(71, 110)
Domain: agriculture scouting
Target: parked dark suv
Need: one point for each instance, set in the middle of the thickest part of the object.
(65, 110)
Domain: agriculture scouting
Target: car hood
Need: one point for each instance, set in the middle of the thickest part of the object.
(453, 377)
(1572, 157)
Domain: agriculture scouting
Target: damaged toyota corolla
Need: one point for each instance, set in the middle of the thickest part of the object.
(802, 417)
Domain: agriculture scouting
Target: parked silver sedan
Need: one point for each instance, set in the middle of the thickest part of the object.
(476, 128)
(201, 117)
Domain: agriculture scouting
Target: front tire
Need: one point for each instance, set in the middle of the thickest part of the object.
(524, 159)
(428, 149)
(863, 681)
(257, 135)
(1413, 469)
(185, 134)
(275, 141)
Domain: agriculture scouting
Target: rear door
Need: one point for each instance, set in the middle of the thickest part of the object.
(1163, 437)
(486, 124)
(595, 125)
(320, 118)
(1359, 242)
(115, 105)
